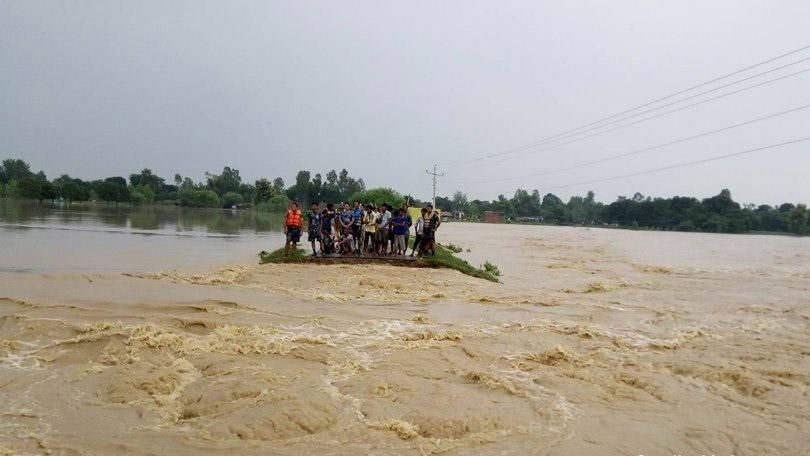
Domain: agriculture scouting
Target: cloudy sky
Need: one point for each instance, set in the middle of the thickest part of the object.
(385, 89)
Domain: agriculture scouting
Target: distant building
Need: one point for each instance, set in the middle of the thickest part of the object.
(493, 217)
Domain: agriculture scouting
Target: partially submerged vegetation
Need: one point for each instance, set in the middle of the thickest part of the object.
(444, 259)
(452, 247)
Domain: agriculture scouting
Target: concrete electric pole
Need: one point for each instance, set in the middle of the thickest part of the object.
(435, 175)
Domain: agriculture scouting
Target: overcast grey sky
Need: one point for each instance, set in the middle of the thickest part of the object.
(385, 89)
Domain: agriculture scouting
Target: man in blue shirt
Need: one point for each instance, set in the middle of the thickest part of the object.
(357, 226)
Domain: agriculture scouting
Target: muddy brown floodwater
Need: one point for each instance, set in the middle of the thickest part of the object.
(600, 342)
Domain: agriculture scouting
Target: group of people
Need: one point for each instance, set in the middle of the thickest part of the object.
(362, 230)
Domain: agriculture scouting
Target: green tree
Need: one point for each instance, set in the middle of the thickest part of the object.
(278, 185)
(377, 196)
(113, 189)
(199, 198)
(146, 177)
(278, 203)
(71, 189)
(798, 219)
(14, 169)
(264, 191)
(231, 199)
(228, 181)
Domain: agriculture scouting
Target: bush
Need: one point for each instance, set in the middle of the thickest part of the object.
(491, 269)
(199, 198)
(136, 198)
(278, 203)
(453, 247)
(231, 199)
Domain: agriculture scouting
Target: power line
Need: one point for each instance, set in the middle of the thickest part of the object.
(665, 113)
(679, 165)
(681, 100)
(703, 84)
(646, 149)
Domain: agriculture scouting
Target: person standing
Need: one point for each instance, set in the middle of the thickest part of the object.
(345, 219)
(432, 222)
(370, 229)
(357, 226)
(292, 227)
(420, 230)
(314, 227)
(399, 225)
(409, 219)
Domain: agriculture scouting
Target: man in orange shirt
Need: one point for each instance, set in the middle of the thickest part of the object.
(292, 227)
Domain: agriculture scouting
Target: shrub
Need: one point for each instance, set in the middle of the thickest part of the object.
(231, 199)
(491, 269)
(453, 247)
(278, 203)
(199, 198)
(136, 198)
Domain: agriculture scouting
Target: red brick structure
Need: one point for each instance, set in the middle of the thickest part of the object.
(493, 217)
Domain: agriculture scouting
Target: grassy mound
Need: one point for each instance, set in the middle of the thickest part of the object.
(444, 259)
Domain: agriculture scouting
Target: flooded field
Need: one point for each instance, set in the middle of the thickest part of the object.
(597, 342)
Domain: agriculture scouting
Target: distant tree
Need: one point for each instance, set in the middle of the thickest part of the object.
(14, 169)
(377, 196)
(146, 177)
(278, 185)
(231, 199)
(263, 192)
(553, 208)
(228, 181)
(460, 202)
(199, 198)
(278, 203)
(71, 189)
(140, 194)
(113, 189)
(798, 219)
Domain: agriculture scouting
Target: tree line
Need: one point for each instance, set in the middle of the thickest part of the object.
(226, 189)
(719, 213)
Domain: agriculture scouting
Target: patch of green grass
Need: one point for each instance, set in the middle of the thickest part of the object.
(277, 256)
(445, 259)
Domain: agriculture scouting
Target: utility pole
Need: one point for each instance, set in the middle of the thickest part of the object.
(435, 174)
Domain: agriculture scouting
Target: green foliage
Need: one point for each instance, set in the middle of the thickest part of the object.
(278, 203)
(113, 189)
(14, 169)
(147, 195)
(137, 198)
(452, 247)
(799, 219)
(147, 178)
(377, 196)
(490, 268)
(199, 198)
(445, 259)
(277, 256)
(230, 199)
(227, 182)
(263, 191)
